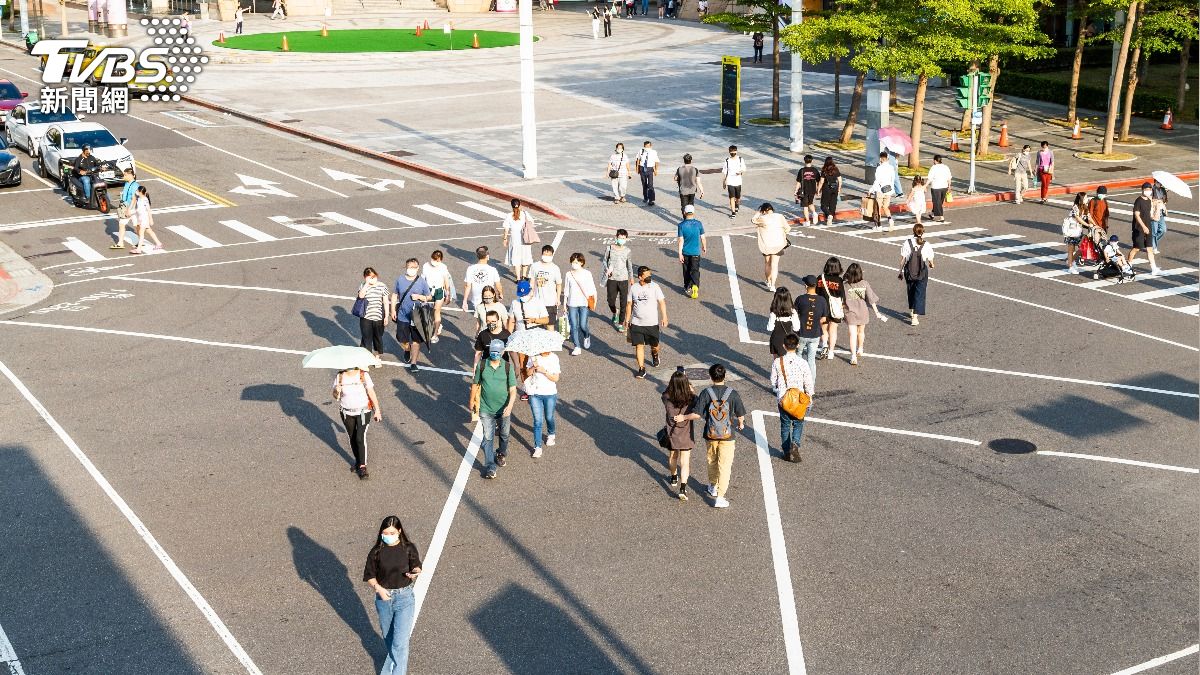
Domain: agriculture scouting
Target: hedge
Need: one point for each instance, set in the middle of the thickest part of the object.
(1093, 98)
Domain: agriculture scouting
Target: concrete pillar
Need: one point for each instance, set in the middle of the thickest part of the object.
(876, 119)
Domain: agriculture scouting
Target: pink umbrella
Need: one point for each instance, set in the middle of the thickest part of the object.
(895, 140)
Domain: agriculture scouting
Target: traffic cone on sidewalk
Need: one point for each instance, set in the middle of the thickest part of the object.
(474, 40)
(1168, 121)
(1003, 143)
(954, 141)
(1075, 133)
(426, 26)
(285, 44)
(324, 30)
(418, 30)
(221, 38)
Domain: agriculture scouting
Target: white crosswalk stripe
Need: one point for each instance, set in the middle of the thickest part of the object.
(1127, 212)
(1006, 249)
(1005, 264)
(485, 209)
(194, 236)
(1060, 272)
(400, 218)
(299, 227)
(253, 233)
(978, 240)
(1165, 292)
(1143, 276)
(82, 250)
(449, 215)
(1193, 310)
(347, 220)
(943, 233)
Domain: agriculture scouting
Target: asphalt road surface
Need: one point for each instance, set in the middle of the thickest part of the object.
(190, 508)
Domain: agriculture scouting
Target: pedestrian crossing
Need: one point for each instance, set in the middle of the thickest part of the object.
(230, 232)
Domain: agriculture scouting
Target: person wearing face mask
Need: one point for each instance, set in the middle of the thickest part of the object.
(1021, 168)
(359, 406)
(1143, 238)
(393, 564)
(489, 301)
(579, 297)
(645, 315)
(371, 323)
(441, 285)
(480, 277)
(1045, 168)
(618, 271)
(516, 240)
(494, 330)
(547, 283)
(493, 393)
(692, 243)
(408, 291)
(527, 313)
(618, 173)
(541, 386)
(732, 170)
(688, 179)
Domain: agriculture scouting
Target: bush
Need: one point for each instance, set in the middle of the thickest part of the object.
(1095, 98)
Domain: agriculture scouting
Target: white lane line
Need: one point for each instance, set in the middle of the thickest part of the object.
(485, 209)
(1127, 212)
(301, 228)
(1166, 292)
(29, 224)
(928, 235)
(1005, 264)
(779, 559)
(347, 220)
(1061, 272)
(885, 430)
(979, 240)
(8, 656)
(442, 530)
(400, 218)
(1118, 460)
(253, 233)
(1154, 663)
(449, 215)
(82, 250)
(558, 240)
(194, 236)
(159, 552)
(1144, 276)
(735, 293)
(1193, 310)
(284, 291)
(1006, 249)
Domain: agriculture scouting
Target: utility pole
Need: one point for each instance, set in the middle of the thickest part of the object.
(528, 119)
(797, 87)
(63, 29)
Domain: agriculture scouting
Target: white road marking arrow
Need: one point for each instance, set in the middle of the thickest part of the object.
(259, 187)
(380, 185)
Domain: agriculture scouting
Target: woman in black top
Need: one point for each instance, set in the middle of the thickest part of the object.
(830, 188)
(829, 286)
(392, 566)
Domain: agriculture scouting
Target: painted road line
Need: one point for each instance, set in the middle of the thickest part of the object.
(449, 215)
(159, 552)
(400, 218)
(184, 185)
(1063, 271)
(557, 240)
(442, 530)
(1118, 460)
(1166, 292)
(194, 236)
(1143, 276)
(485, 209)
(1006, 249)
(735, 292)
(941, 233)
(347, 220)
(779, 559)
(8, 656)
(349, 299)
(885, 430)
(239, 226)
(1005, 264)
(1154, 663)
(302, 229)
(980, 240)
(1194, 310)
(82, 250)
(8, 227)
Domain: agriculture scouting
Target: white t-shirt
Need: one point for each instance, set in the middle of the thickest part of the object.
(885, 176)
(478, 276)
(538, 384)
(732, 169)
(939, 177)
(645, 301)
(906, 249)
(481, 311)
(577, 287)
(436, 274)
(531, 308)
(647, 157)
(545, 278)
(616, 161)
(354, 390)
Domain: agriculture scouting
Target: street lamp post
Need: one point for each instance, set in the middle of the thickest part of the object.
(528, 120)
(797, 89)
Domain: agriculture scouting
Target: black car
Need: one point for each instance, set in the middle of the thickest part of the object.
(10, 168)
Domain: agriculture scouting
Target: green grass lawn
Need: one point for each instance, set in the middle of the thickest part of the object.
(1160, 79)
(370, 40)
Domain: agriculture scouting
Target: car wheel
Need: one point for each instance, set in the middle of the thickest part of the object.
(41, 167)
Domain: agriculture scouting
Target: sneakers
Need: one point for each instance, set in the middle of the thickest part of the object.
(576, 352)
(683, 493)
(912, 319)
(489, 474)
(674, 480)
(770, 287)
(587, 342)
(412, 367)
(500, 461)
(1155, 250)
(550, 440)
(615, 321)
(654, 361)
(711, 490)
(537, 452)
(1071, 269)
(695, 291)
(620, 328)
(854, 359)
(640, 374)
(1155, 271)
(720, 503)
(435, 339)
(363, 474)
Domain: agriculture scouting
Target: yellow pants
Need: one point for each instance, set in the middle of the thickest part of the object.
(720, 464)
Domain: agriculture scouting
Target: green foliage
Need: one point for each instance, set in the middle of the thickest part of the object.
(760, 19)
(1165, 25)
(1145, 104)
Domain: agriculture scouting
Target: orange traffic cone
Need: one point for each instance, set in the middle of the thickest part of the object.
(1003, 135)
(426, 26)
(954, 141)
(1075, 134)
(221, 38)
(324, 31)
(285, 44)
(418, 31)
(474, 40)
(1168, 121)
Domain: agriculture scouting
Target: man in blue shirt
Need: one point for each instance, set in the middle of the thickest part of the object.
(692, 243)
(125, 208)
(408, 291)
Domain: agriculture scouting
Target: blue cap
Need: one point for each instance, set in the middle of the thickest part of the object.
(496, 347)
(523, 288)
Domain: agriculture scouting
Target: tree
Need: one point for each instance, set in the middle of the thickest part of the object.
(1182, 87)
(1080, 13)
(1163, 26)
(1114, 96)
(765, 16)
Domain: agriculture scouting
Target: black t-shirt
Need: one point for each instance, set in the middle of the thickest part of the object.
(486, 336)
(389, 564)
(808, 176)
(1141, 206)
(759, 39)
(811, 309)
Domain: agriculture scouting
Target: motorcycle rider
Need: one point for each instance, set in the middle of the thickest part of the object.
(85, 164)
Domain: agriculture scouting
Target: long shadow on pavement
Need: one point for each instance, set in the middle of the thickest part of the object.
(327, 328)
(293, 404)
(615, 438)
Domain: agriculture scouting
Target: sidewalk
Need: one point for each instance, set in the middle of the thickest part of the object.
(21, 283)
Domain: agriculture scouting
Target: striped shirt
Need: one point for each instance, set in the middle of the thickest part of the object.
(376, 296)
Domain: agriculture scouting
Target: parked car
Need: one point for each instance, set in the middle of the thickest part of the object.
(10, 97)
(66, 141)
(27, 124)
(10, 169)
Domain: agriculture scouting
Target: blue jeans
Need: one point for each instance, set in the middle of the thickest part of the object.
(578, 316)
(808, 351)
(542, 406)
(396, 617)
(491, 423)
(1158, 228)
(790, 429)
(86, 181)
(645, 7)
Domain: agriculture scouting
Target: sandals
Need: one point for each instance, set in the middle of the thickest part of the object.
(134, 251)
(117, 247)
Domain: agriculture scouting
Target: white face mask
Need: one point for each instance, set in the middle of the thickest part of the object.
(410, 273)
(1146, 194)
(576, 265)
(547, 258)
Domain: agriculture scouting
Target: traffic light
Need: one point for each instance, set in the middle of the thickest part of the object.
(985, 89)
(964, 91)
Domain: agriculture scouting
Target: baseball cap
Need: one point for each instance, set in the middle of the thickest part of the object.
(523, 288)
(496, 347)
(1102, 190)
(689, 209)
(810, 280)
(1114, 238)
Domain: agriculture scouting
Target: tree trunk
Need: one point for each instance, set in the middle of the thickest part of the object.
(1076, 66)
(855, 101)
(892, 99)
(1181, 92)
(914, 157)
(837, 85)
(1114, 96)
(775, 70)
(985, 127)
(1130, 88)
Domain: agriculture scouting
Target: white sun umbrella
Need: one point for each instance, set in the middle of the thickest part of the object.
(534, 341)
(341, 358)
(1173, 183)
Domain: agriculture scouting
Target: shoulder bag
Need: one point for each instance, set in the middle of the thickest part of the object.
(528, 234)
(1071, 228)
(613, 173)
(836, 310)
(591, 299)
(795, 401)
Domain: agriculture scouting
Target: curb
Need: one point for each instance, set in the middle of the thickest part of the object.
(21, 284)
(395, 161)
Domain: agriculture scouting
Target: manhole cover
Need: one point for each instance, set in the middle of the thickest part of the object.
(1114, 169)
(399, 153)
(309, 221)
(1012, 446)
(697, 372)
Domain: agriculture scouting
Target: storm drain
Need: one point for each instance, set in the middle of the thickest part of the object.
(1012, 446)
(1114, 169)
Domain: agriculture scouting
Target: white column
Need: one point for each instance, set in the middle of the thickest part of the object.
(528, 121)
(796, 116)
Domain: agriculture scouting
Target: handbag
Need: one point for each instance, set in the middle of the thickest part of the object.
(360, 308)
(564, 327)
(664, 439)
(868, 206)
(613, 173)
(795, 402)
(1071, 229)
(528, 234)
(949, 196)
(836, 310)
(591, 299)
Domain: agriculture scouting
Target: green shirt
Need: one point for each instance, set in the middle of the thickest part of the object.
(494, 381)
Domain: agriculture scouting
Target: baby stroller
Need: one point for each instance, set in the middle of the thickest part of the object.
(1091, 245)
(1114, 264)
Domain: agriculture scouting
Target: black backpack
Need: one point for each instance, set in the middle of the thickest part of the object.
(914, 267)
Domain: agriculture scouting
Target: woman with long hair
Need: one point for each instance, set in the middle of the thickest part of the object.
(829, 286)
(783, 320)
(677, 400)
(392, 566)
(859, 295)
(489, 301)
(830, 189)
(359, 406)
(144, 219)
(1079, 213)
(916, 259)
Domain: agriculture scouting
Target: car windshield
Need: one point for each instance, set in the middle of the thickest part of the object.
(38, 117)
(8, 90)
(97, 138)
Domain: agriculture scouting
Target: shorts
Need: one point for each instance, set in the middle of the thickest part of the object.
(735, 191)
(439, 294)
(1140, 239)
(643, 335)
(807, 196)
(406, 334)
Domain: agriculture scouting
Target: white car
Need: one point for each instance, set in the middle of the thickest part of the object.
(27, 124)
(66, 141)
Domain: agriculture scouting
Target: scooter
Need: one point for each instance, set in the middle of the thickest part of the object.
(31, 39)
(74, 186)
